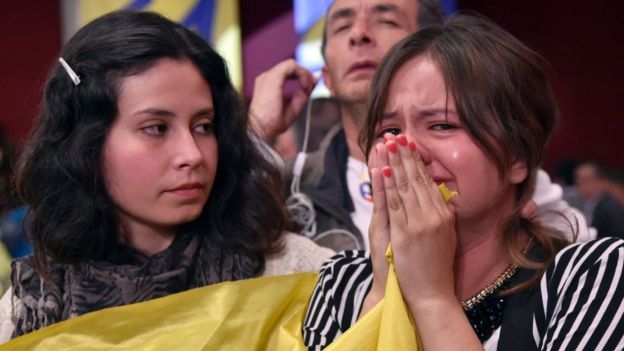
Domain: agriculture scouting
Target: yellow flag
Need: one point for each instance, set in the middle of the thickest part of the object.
(254, 314)
(387, 327)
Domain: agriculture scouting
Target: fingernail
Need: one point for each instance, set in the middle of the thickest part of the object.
(402, 140)
(412, 146)
(392, 147)
(387, 171)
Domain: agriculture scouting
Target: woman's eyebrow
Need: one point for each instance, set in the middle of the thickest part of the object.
(161, 112)
(430, 111)
(388, 115)
(210, 112)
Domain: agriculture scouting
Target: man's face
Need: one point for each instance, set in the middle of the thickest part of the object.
(359, 33)
(588, 182)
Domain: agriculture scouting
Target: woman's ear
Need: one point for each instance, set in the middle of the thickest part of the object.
(518, 172)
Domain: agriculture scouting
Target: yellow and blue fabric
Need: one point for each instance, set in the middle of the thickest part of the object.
(217, 21)
(309, 22)
(12, 232)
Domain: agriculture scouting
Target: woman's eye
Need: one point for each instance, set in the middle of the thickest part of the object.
(204, 128)
(394, 131)
(443, 127)
(156, 129)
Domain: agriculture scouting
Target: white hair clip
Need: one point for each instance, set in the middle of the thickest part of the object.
(74, 77)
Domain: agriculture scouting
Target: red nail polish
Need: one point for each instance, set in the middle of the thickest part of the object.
(392, 148)
(402, 140)
(387, 171)
(412, 146)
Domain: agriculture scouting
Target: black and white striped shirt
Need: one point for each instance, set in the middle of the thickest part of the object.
(579, 304)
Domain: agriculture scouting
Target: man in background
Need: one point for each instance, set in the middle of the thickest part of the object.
(601, 208)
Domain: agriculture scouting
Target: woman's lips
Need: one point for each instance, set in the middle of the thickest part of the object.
(187, 190)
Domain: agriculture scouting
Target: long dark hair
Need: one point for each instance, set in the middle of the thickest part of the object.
(59, 173)
(504, 100)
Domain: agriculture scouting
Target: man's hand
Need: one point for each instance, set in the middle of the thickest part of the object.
(269, 115)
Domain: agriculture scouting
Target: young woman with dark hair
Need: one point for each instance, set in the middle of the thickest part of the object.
(468, 105)
(141, 178)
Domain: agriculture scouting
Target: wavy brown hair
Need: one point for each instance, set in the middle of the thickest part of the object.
(504, 100)
(59, 174)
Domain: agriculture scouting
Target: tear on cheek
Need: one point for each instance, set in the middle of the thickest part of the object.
(455, 155)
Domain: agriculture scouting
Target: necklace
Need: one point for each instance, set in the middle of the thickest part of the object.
(485, 309)
(486, 314)
(472, 301)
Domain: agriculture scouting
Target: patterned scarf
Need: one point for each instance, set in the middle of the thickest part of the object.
(125, 277)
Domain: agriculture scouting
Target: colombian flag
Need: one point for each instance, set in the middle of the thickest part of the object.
(309, 25)
(217, 21)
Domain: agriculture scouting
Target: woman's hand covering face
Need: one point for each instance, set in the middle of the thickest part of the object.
(411, 214)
